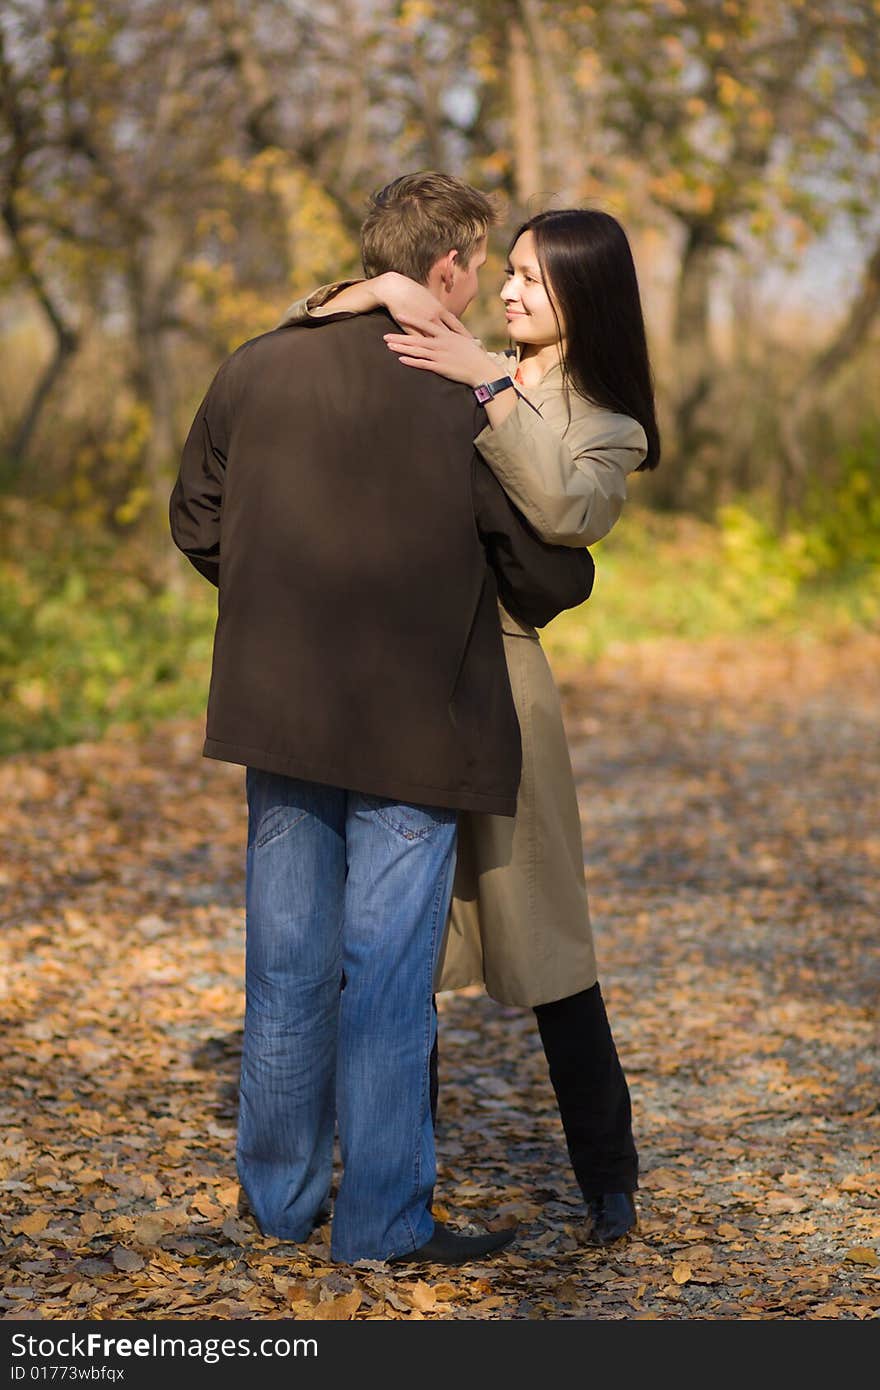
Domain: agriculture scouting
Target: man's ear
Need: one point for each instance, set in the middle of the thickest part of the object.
(447, 269)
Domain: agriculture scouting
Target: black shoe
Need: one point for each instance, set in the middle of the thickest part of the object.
(449, 1248)
(612, 1215)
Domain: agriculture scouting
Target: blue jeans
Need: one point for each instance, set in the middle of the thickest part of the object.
(347, 898)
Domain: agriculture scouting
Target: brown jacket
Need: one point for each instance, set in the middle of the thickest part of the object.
(520, 918)
(360, 546)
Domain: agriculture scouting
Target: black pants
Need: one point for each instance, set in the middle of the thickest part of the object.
(591, 1092)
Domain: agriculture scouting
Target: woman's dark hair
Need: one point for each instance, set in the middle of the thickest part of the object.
(587, 266)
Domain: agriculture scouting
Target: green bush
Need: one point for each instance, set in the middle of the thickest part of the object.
(87, 639)
(660, 576)
(93, 635)
(761, 573)
(841, 519)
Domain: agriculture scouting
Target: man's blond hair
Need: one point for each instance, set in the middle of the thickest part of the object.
(420, 217)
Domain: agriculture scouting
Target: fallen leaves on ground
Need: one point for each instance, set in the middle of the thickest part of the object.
(730, 808)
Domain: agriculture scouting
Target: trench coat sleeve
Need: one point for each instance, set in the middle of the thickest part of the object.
(300, 311)
(571, 489)
(536, 581)
(197, 498)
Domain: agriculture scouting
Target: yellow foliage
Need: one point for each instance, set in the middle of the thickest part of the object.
(88, 37)
(134, 506)
(669, 184)
(30, 694)
(857, 65)
(760, 118)
(482, 60)
(237, 313)
(683, 190)
(588, 70)
(766, 568)
(270, 158)
(320, 243)
(255, 175)
(495, 165)
(228, 169)
(673, 45)
(732, 92)
(132, 425)
(216, 222)
(412, 12)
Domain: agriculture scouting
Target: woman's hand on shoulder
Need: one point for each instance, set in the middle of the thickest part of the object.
(435, 347)
(411, 303)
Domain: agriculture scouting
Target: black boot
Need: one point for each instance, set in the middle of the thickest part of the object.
(594, 1105)
(611, 1216)
(450, 1248)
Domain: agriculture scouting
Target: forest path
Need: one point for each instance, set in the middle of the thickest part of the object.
(729, 796)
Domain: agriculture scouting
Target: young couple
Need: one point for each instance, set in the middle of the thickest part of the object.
(413, 821)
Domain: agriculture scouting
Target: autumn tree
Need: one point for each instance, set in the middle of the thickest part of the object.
(171, 177)
(739, 128)
(97, 206)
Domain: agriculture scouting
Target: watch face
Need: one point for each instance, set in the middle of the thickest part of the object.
(482, 393)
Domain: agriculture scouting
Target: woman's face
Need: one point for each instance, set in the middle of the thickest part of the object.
(527, 301)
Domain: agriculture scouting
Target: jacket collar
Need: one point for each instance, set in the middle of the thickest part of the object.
(552, 380)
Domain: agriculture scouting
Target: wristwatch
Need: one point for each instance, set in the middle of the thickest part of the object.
(487, 389)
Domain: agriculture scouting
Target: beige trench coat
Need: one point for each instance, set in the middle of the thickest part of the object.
(520, 921)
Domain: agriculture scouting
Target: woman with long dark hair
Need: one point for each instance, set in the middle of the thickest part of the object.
(579, 417)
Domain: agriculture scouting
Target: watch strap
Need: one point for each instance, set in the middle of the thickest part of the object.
(488, 389)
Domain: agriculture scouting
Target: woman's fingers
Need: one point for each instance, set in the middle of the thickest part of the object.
(450, 321)
(413, 349)
(427, 327)
(403, 340)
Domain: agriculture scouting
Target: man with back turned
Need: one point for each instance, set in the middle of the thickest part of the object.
(360, 546)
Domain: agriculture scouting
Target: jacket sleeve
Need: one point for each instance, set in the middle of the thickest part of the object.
(535, 580)
(300, 311)
(569, 479)
(197, 498)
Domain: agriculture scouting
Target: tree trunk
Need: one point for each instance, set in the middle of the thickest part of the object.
(561, 142)
(846, 342)
(66, 344)
(693, 368)
(524, 119)
(152, 279)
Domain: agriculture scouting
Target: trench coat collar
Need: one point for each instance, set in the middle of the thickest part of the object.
(551, 382)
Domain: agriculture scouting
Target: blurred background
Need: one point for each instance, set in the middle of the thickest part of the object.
(172, 176)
